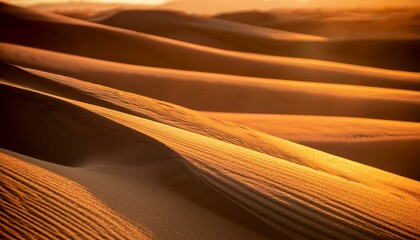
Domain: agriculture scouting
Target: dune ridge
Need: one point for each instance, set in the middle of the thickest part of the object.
(386, 23)
(39, 204)
(137, 184)
(156, 124)
(231, 170)
(88, 39)
(176, 21)
(216, 172)
(388, 145)
(255, 95)
(195, 122)
(359, 46)
(215, 162)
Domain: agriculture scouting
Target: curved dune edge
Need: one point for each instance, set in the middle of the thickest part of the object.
(116, 131)
(157, 52)
(383, 24)
(189, 120)
(318, 128)
(389, 145)
(292, 198)
(64, 134)
(201, 91)
(195, 122)
(295, 199)
(133, 173)
(159, 21)
(39, 204)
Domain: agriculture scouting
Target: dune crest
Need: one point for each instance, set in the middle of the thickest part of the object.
(225, 166)
(141, 124)
(192, 121)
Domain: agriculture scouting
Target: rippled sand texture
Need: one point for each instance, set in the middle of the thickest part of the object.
(140, 124)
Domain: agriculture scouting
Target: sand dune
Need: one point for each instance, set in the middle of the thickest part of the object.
(168, 23)
(391, 23)
(49, 130)
(39, 204)
(388, 145)
(244, 137)
(193, 121)
(213, 91)
(232, 170)
(101, 137)
(400, 39)
(89, 39)
(127, 158)
(204, 30)
(270, 196)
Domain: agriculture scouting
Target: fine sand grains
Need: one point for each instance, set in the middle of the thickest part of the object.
(38, 204)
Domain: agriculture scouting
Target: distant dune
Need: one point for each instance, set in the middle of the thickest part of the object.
(388, 23)
(138, 124)
(357, 46)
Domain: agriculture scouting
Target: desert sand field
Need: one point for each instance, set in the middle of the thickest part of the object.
(158, 124)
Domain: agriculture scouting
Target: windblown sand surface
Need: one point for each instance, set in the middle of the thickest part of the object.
(163, 125)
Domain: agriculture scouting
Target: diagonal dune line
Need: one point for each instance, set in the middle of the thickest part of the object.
(195, 122)
(250, 65)
(298, 200)
(388, 145)
(214, 91)
(90, 39)
(277, 187)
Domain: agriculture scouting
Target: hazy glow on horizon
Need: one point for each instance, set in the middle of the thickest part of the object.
(25, 2)
(214, 6)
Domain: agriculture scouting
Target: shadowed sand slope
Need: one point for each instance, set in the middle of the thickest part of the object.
(401, 38)
(195, 122)
(203, 30)
(76, 147)
(133, 173)
(168, 23)
(389, 145)
(277, 191)
(391, 23)
(210, 92)
(101, 137)
(38, 204)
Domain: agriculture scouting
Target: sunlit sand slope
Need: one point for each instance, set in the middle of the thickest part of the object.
(133, 173)
(279, 191)
(291, 197)
(361, 140)
(389, 145)
(116, 44)
(155, 124)
(38, 204)
(209, 92)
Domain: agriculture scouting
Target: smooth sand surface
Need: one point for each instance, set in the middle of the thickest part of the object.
(208, 92)
(130, 131)
(88, 39)
(387, 23)
(370, 141)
